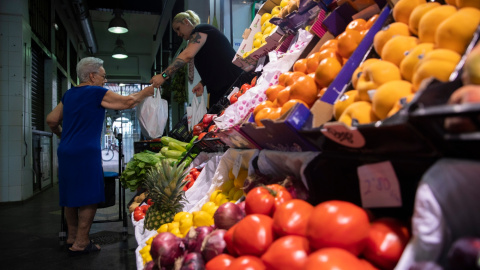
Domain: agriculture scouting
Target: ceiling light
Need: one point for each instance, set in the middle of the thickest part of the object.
(118, 25)
(119, 51)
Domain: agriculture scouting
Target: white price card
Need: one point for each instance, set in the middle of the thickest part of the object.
(341, 134)
(237, 165)
(379, 185)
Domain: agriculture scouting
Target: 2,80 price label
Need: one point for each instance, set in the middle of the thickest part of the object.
(379, 185)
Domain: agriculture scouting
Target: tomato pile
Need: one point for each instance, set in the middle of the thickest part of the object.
(191, 177)
(279, 231)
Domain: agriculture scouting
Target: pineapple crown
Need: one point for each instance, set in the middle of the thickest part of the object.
(164, 183)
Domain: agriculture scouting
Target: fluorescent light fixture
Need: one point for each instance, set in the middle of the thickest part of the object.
(119, 51)
(118, 25)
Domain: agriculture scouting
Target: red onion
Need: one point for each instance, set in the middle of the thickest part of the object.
(150, 266)
(193, 261)
(166, 247)
(227, 215)
(214, 244)
(242, 205)
(195, 237)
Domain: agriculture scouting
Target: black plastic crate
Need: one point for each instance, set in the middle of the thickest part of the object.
(150, 146)
(180, 130)
(210, 144)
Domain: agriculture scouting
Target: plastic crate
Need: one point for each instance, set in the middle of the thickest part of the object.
(180, 130)
(150, 146)
(210, 144)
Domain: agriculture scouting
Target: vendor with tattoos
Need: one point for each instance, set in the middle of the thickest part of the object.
(212, 54)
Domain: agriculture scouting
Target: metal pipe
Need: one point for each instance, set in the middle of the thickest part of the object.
(81, 11)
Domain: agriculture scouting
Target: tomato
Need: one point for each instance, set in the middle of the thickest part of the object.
(338, 224)
(246, 263)
(386, 241)
(288, 252)
(264, 200)
(144, 208)
(291, 218)
(228, 238)
(367, 265)
(138, 215)
(195, 174)
(254, 81)
(332, 259)
(201, 135)
(190, 184)
(219, 262)
(194, 169)
(197, 129)
(253, 235)
(234, 97)
(212, 128)
(149, 202)
(245, 87)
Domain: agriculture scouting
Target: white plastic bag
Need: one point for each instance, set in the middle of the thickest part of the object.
(152, 114)
(196, 111)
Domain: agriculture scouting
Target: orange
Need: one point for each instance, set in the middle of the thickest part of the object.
(332, 43)
(300, 65)
(357, 24)
(289, 104)
(313, 77)
(283, 77)
(467, 3)
(304, 89)
(417, 15)
(358, 72)
(456, 32)
(387, 32)
(275, 114)
(374, 75)
(283, 96)
(440, 70)
(327, 70)
(293, 78)
(348, 41)
(312, 62)
(272, 92)
(326, 53)
(394, 50)
(387, 95)
(431, 20)
(371, 21)
(403, 8)
(439, 54)
(411, 59)
(343, 102)
(262, 114)
(451, 2)
(400, 103)
(363, 33)
(361, 112)
(265, 104)
(321, 92)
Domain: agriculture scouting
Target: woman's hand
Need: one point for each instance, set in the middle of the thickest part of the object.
(157, 80)
(198, 89)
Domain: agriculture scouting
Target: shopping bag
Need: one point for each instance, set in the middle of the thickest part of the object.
(196, 111)
(152, 114)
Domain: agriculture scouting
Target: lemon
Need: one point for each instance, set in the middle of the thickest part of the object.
(223, 200)
(231, 176)
(220, 197)
(173, 225)
(265, 17)
(263, 39)
(227, 186)
(238, 195)
(185, 225)
(242, 175)
(231, 193)
(257, 35)
(276, 10)
(245, 55)
(149, 241)
(163, 228)
(179, 216)
(209, 207)
(284, 3)
(257, 43)
(267, 30)
(176, 231)
(202, 218)
(214, 195)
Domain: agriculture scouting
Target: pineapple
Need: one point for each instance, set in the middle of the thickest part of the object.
(164, 183)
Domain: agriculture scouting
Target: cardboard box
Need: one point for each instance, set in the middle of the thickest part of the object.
(281, 134)
(235, 138)
(305, 15)
(273, 40)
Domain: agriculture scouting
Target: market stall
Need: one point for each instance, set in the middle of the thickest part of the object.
(316, 159)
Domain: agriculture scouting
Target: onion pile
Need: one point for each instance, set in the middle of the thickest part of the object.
(227, 215)
(193, 261)
(214, 244)
(166, 248)
(195, 237)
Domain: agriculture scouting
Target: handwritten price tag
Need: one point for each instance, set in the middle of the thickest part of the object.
(379, 185)
(237, 165)
(343, 135)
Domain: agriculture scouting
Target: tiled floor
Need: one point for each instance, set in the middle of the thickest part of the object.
(29, 236)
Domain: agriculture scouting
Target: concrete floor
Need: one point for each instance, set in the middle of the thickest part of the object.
(29, 235)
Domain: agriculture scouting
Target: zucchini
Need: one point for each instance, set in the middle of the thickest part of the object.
(166, 140)
(164, 150)
(176, 146)
(173, 154)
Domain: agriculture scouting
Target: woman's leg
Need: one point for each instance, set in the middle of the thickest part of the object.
(85, 220)
(71, 215)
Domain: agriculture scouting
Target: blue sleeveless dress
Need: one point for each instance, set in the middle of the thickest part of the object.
(80, 172)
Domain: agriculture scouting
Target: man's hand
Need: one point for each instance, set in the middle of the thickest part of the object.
(157, 80)
(198, 89)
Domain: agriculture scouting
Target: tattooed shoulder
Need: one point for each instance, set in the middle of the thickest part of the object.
(195, 38)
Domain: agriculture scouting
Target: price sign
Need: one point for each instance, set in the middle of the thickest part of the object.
(379, 185)
(343, 135)
(237, 165)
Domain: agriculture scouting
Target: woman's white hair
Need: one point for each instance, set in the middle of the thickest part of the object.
(86, 66)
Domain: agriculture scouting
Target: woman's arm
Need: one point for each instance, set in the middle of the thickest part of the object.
(195, 43)
(54, 118)
(114, 101)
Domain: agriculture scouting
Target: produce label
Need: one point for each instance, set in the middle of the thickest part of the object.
(379, 185)
(343, 135)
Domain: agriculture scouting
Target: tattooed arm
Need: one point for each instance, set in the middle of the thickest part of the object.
(195, 43)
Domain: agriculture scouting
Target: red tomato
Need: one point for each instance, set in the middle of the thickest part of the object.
(246, 263)
(144, 208)
(201, 135)
(138, 215)
(219, 262)
(288, 252)
(149, 202)
(264, 200)
(254, 81)
(332, 259)
(367, 265)
(245, 87)
(212, 128)
(386, 241)
(253, 235)
(194, 169)
(338, 224)
(228, 238)
(234, 97)
(190, 184)
(195, 174)
(291, 218)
